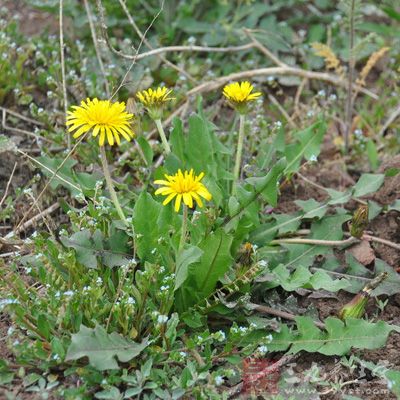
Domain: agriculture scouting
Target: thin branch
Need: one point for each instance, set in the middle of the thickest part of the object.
(317, 242)
(23, 117)
(263, 49)
(50, 180)
(140, 44)
(8, 185)
(273, 71)
(185, 48)
(282, 111)
(279, 313)
(18, 130)
(96, 46)
(389, 121)
(62, 60)
(382, 241)
(36, 218)
(148, 44)
(349, 102)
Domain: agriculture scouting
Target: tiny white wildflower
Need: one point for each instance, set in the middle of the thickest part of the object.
(332, 97)
(313, 158)
(131, 300)
(262, 349)
(219, 380)
(162, 319)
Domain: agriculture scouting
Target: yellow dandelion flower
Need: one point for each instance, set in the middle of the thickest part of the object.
(184, 186)
(105, 119)
(239, 94)
(154, 100)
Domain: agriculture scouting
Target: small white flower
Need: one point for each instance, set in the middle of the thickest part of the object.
(219, 380)
(332, 97)
(262, 349)
(10, 330)
(313, 158)
(263, 263)
(269, 338)
(310, 114)
(56, 357)
(182, 354)
(131, 300)
(162, 269)
(358, 133)
(278, 124)
(69, 293)
(220, 335)
(162, 319)
(321, 93)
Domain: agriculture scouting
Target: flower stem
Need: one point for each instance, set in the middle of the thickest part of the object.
(236, 171)
(162, 135)
(110, 185)
(184, 228)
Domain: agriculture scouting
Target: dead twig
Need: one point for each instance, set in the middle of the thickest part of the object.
(36, 218)
(8, 185)
(49, 181)
(282, 111)
(18, 130)
(263, 49)
(62, 60)
(23, 117)
(185, 48)
(279, 313)
(96, 46)
(273, 71)
(148, 44)
(395, 114)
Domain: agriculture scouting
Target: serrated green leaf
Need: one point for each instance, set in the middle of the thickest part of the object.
(368, 183)
(310, 143)
(214, 262)
(268, 185)
(103, 349)
(312, 208)
(338, 338)
(188, 256)
(146, 149)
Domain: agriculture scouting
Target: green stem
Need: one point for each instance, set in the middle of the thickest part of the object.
(110, 185)
(162, 135)
(184, 228)
(236, 171)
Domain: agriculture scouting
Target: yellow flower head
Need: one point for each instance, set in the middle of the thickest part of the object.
(239, 94)
(154, 100)
(185, 186)
(110, 120)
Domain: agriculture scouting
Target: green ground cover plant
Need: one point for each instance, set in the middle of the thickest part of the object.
(174, 147)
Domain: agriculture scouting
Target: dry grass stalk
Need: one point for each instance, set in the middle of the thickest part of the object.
(373, 59)
(331, 61)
